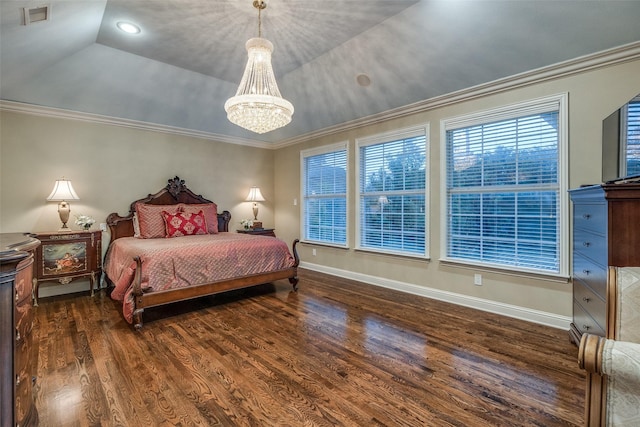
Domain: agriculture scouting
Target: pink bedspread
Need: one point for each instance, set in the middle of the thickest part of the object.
(169, 263)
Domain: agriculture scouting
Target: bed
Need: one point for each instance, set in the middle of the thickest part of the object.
(174, 246)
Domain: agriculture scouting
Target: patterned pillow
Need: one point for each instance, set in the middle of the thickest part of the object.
(184, 224)
(150, 220)
(210, 211)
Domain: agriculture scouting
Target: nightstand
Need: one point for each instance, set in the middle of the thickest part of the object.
(259, 231)
(67, 256)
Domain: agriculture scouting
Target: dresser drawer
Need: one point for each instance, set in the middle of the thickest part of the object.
(590, 273)
(584, 322)
(23, 396)
(23, 320)
(591, 245)
(22, 363)
(590, 216)
(591, 302)
(23, 282)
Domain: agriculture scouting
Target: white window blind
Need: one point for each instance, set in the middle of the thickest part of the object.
(632, 151)
(392, 199)
(325, 196)
(503, 193)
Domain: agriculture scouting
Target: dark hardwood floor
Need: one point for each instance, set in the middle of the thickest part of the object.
(336, 353)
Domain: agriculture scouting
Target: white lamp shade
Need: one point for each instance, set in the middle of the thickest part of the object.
(62, 190)
(255, 195)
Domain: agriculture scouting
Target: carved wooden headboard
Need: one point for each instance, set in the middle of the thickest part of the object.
(175, 192)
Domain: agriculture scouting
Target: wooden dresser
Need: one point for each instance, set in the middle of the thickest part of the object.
(606, 232)
(16, 324)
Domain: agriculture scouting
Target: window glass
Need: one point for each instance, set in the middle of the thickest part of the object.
(632, 130)
(503, 192)
(392, 183)
(325, 196)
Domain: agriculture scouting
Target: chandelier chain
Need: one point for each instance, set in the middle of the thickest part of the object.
(259, 4)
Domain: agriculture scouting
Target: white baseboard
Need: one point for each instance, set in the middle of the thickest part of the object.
(522, 313)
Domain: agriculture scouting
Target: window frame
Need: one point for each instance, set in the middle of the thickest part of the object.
(325, 149)
(559, 103)
(387, 137)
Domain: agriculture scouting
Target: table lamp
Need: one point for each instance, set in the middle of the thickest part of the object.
(255, 196)
(62, 192)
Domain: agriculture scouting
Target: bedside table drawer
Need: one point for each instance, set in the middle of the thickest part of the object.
(63, 259)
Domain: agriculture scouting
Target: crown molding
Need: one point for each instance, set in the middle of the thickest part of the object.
(605, 58)
(40, 110)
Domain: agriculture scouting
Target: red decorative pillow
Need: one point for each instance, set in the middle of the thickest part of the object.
(184, 224)
(210, 211)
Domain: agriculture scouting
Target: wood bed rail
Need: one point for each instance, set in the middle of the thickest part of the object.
(153, 299)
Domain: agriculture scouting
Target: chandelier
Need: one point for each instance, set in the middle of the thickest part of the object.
(258, 105)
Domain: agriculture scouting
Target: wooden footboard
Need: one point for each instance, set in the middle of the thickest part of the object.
(143, 300)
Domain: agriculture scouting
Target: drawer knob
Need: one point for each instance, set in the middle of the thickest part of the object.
(586, 299)
(586, 216)
(17, 335)
(586, 244)
(17, 295)
(586, 327)
(587, 272)
(17, 380)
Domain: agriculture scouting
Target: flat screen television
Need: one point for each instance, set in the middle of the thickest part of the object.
(621, 143)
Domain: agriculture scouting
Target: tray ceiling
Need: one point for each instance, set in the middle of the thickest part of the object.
(190, 55)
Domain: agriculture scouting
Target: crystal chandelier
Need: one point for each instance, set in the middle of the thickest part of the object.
(258, 105)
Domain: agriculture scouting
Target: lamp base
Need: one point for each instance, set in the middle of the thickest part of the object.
(63, 210)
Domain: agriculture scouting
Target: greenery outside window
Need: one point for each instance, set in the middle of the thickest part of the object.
(392, 202)
(505, 188)
(324, 195)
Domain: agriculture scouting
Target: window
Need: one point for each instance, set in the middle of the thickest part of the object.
(506, 188)
(631, 137)
(324, 195)
(392, 192)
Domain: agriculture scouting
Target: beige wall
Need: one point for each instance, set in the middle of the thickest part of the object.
(110, 166)
(592, 96)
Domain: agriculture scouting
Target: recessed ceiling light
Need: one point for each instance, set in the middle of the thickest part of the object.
(128, 27)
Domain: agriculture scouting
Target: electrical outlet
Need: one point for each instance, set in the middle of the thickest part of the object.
(295, 202)
(313, 251)
(103, 226)
(477, 279)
